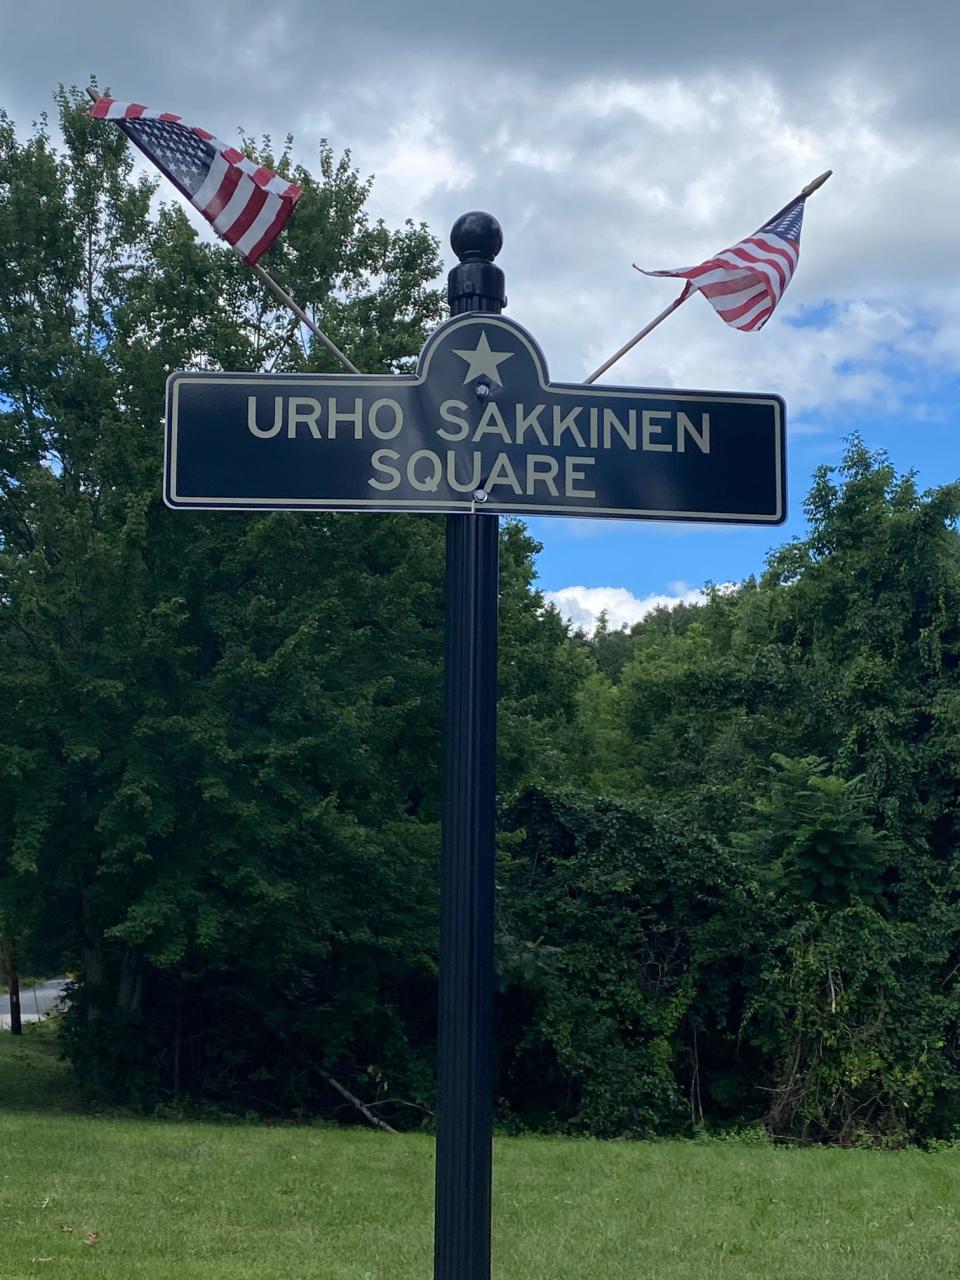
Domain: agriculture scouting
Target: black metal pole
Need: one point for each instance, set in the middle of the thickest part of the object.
(467, 976)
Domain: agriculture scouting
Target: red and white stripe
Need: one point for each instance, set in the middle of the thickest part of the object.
(247, 204)
(744, 284)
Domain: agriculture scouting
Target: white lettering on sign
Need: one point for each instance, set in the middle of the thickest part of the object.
(660, 430)
(628, 433)
(464, 486)
(573, 474)
(547, 473)
(425, 470)
(492, 423)
(264, 433)
(426, 479)
(447, 414)
(384, 418)
(502, 473)
(542, 468)
(702, 437)
(373, 422)
(651, 428)
(335, 417)
(527, 420)
(303, 409)
(567, 422)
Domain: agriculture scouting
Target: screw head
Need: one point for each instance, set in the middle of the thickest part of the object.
(480, 495)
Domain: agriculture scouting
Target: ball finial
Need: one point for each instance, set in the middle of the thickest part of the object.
(476, 237)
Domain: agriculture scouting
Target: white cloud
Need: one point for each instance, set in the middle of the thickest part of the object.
(582, 606)
(415, 158)
(844, 362)
(627, 168)
(670, 105)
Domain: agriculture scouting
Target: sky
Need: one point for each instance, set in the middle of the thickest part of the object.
(601, 135)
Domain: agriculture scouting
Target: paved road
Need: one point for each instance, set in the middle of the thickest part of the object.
(35, 1001)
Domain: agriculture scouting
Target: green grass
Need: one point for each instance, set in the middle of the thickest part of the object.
(184, 1201)
(32, 1076)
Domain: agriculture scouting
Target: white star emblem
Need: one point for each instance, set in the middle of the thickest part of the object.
(483, 361)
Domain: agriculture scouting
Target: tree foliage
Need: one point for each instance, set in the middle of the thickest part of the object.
(219, 732)
(807, 723)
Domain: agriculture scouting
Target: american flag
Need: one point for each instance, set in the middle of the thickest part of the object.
(247, 203)
(745, 283)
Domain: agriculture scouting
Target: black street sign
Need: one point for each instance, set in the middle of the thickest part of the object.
(478, 427)
(479, 430)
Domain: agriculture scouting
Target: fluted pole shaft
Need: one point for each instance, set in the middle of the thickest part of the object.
(464, 1153)
(467, 974)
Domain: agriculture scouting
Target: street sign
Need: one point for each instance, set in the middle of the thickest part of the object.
(479, 426)
(478, 431)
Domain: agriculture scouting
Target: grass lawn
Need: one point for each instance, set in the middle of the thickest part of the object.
(236, 1202)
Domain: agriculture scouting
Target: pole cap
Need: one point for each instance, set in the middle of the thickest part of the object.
(476, 284)
(476, 237)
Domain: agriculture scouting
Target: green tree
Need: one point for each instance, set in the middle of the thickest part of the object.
(813, 836)
(868, 607)
(216, 730)
(621, 934)
(219, 744)
(846, 648)
(841, 665)
(540, 678)
(848, 1003)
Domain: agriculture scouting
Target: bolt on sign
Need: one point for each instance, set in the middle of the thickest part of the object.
(478, 426)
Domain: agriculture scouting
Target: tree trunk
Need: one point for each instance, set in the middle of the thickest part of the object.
(92, 959)
(9, 957)
(177, 1035)
(130, 989)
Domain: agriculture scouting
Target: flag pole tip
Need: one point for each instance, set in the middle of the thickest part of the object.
(817, 183)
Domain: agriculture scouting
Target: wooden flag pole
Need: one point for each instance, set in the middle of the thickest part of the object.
(280, 293)
(285, 298)
(808, 190)
(627, 346)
